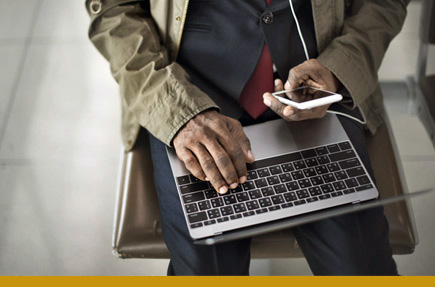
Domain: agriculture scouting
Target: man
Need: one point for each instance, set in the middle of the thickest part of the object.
(192, 72)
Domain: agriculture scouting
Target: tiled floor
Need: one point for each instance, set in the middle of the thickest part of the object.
(57, 179)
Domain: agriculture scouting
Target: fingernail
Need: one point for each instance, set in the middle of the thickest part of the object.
(242, 179)
(206, 178)
(288, 112)
(223, 189)
(234, 185)
(276, 82)
(267, 102)
(250, 155)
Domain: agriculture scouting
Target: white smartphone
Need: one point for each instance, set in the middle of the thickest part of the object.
(304, 98)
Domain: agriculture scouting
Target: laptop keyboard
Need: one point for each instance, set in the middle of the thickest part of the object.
(277, 183)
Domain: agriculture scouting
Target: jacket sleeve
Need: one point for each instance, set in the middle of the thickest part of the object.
(356, 54)
(157, 91)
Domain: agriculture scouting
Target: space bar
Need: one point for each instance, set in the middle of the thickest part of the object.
(274, 160)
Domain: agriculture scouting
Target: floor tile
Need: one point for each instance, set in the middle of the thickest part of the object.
(16, 18)
(10, 57)
(57, 220)
(67, 106)
(52, 27)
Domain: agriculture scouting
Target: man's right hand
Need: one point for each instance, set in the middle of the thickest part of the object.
(214, 147)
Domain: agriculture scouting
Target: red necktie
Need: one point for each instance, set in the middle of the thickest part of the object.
(260, 82)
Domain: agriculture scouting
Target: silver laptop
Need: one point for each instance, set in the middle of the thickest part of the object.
(300, 167)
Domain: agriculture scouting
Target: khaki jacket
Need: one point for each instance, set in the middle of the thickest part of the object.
(140, 39)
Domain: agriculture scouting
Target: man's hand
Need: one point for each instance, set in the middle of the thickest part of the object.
(309, 73)
(214, 147)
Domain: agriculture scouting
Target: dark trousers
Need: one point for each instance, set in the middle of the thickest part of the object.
(352, 244)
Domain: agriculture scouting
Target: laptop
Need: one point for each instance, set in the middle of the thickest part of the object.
(300, 168)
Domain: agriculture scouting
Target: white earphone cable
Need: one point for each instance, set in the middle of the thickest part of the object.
(363, 122)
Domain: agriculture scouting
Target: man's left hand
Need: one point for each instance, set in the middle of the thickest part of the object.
(309, 73)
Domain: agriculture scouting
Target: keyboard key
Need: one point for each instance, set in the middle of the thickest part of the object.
(280, 188)
(242, 196)
(222, 219)
(312, 199)
(213, 213)
(299, 202)
(251, 205)
(227, 210)
(254, 194)
(237, 189)
(265, 202)
(273, 208)
(304, 183)
(364, 187)
(216, 202)
(333, 148)
(323, 159)
(314, 191)
(299, 164)
(263, 172)
(342, 155)
(311, 162)
(191, 207)
(340, 175)
(286, 205)
(275, 160)
(196, 217)
(321, 150)
(308, 153)
(349, 163)
(337, 193)
(351, 182)
(273, 180)
(339, 185)
(267, 191)
(324, 196)
(260, 211)
(203, 205)
(363, 180)
(240, 207)
(192, 197)
(188, 188)
(285, 177)
(249, 213)
(211, 193)
(317, 180)
(252, 175)
(196, 225)
(309, 172)
(230, 199)
(333, 167)
(303, 193)
(262, 182)
(287, 167)
(277, 199)
(193, 178)
(345, 145)
(298, 174)
(210, 222)
(350, 190)
(248, 185)
(328, 177)
(235, 216)
(275, 170)
(183, 179)
(290, 196)
(291, 186)
(321, 169)
(326, 188)
(356, 171)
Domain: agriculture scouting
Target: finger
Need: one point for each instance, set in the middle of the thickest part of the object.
(224, 163)
(273, 104)
(191, 163)
(210, 168)
(240, 137)
(278, 85)
(296, 77)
